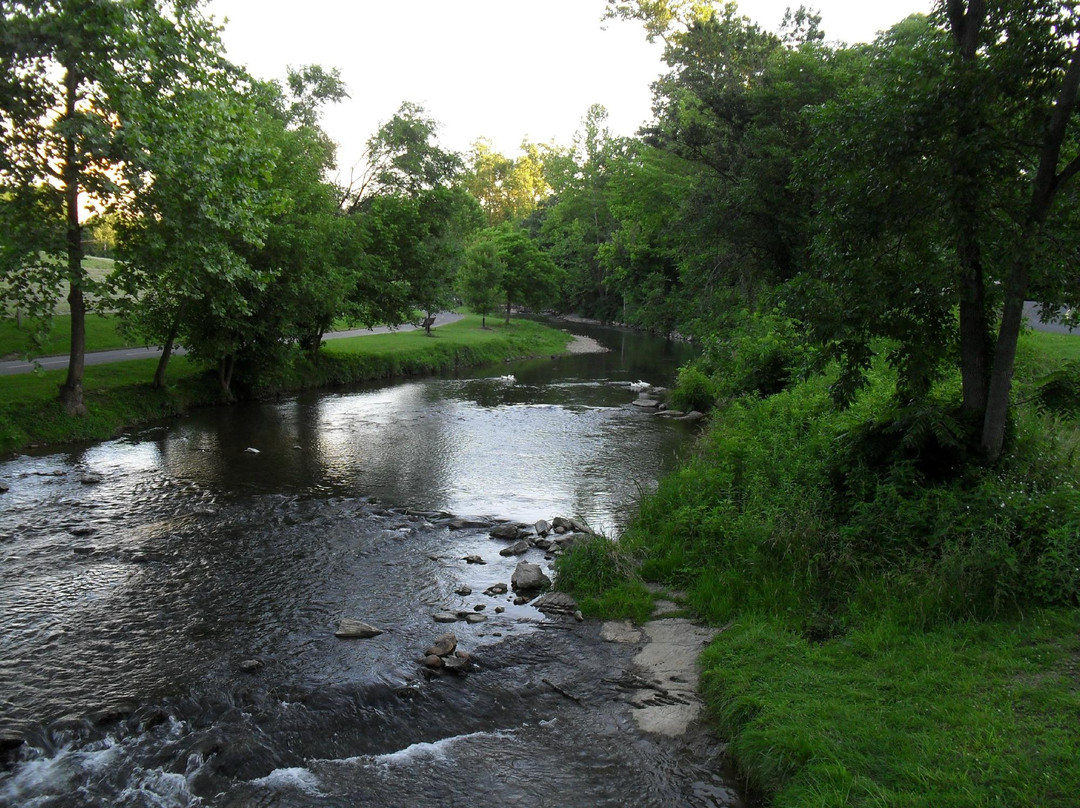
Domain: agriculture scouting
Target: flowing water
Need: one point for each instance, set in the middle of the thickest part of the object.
(168, 601)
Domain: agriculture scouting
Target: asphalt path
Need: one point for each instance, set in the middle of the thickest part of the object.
(12, 367)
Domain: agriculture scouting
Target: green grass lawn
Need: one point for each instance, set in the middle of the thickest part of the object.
(975, 714)
(102, 334)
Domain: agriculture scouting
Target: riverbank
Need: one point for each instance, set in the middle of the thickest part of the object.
(897, 630)
(119, 395)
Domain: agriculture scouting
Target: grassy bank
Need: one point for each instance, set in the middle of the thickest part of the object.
(119, 394)
(901, 624)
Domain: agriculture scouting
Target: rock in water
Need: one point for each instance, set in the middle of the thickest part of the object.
(444, 645)
(517, 548)
(461, 523)
(557, 602)
(528, 577)
(91, 478)
(356, 629)
(542, 528)
(507, 531)
(474, 559)
(496, 589)
(444, 617)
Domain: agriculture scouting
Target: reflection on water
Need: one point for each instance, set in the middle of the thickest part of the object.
(539, 439)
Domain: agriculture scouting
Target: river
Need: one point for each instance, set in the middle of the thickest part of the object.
(168, 601)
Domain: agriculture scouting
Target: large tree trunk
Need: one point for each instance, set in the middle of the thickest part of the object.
(974, 328)
(508, 311)
(225, 373)
(166, 352)
(1044, 188)
(996, 417)
(71, 391)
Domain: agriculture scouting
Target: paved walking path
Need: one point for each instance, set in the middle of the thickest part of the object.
(12, 367)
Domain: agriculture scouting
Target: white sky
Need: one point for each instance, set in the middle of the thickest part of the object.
(507, 70)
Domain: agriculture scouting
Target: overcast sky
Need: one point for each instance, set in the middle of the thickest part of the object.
(507, 70)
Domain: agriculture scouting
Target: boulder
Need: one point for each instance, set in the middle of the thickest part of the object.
(444, 617)
(4, 489)
(496, 589)
(250, 665)
(433, 661)
(561, 524)
(543, 544)
(557, 603)
(580, 527)
(542, 528)
(475, 617)
(474, 559)
(517, 548)
(506, 531)
(91, 478)
(645, 402)
(461, 523)
(464, 591)
(569, 540)
(693, 415)
(351, 628)
(529, 577)
(444, 645)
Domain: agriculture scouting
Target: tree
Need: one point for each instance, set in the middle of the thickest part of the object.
(479, 280)
(76, 76)
(403, 157)
(509, 189)
(937, 183)
(529, 276)
(205, 199)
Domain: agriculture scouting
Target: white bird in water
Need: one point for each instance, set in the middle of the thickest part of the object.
(639, 385)
(508, 379)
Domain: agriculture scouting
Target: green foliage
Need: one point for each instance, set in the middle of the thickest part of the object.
(1059, 392)
(479, 281)
(693, 391)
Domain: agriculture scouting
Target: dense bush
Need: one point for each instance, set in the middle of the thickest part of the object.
(796, 509)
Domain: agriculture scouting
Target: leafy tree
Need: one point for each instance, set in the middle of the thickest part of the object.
(76, 77)
(509, 189)
(529, 277)
(479, 280)
(938, 183)
(205, 199)
(576, 220)
(403, 157)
